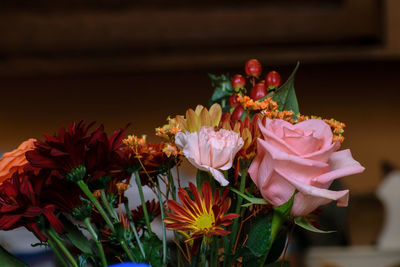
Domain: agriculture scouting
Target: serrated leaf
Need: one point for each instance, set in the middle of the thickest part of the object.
(303, 223)
(76, 237)
(9, 260)
(285, 95)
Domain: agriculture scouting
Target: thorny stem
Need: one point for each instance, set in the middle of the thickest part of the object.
(146, 214)
(92, 232)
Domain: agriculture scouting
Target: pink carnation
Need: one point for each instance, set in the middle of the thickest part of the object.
(209, 150)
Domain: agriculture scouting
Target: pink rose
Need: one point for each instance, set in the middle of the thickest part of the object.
(209, 150)
(302, 157)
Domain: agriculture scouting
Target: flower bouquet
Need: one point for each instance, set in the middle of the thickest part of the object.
(262, 168)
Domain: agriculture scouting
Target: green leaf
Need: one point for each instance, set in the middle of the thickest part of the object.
(153, 250)
(285, 95)
(222, 90)
(9, 260)
(258, 241)
(279, 264)
(302, 222)
(259, 235)
(251, 200)
(76, 237)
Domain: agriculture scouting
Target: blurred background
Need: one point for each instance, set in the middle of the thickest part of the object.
(122, 61)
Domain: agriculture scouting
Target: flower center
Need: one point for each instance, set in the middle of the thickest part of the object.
(205, 221)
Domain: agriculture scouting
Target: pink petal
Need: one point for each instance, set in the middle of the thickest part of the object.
(219, 176)
(341, 164)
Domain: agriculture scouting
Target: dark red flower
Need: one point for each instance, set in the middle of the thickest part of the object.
(20, 204)
(153, 208)
(77, 146)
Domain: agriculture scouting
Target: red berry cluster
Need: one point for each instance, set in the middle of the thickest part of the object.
(260, 89)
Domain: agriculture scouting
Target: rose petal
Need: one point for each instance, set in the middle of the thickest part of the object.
(341, 164)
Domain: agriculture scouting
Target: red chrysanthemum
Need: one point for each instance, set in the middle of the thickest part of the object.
(153, 209)
(203, 216)
(21, 204)
(77, 146)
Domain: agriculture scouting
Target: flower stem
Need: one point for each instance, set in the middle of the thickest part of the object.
(53, 235)
(85, 189)
(164, 235)
(146, 214)
(214, 252)
(57, 252)
(127, 250)
(110, 209)
(135, 233)
(96, 239)
(237, 209)
(172, 184)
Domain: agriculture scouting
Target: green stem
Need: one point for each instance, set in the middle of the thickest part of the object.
(203, 252)
(127, 251)
(214, 252)
(172, 184)
(179, 253)
(237, 209)
(85, 189)
(96, 239)
(57, 252)
(110, 209)
(53, 235)
(146, 214)
(135, 233)
(164, 234)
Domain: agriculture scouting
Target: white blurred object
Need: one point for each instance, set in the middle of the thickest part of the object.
(389, 193)
(351, 257)
(19, 241)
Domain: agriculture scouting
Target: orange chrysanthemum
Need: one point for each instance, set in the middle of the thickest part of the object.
(204, 216)
(15, 160)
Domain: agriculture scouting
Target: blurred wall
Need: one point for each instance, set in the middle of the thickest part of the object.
(139, 63)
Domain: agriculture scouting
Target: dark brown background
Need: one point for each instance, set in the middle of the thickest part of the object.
(120, 62)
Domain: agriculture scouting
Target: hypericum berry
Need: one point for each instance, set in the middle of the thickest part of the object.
(233, 102)
(237, 113)
(238, 81)
(273, 79)
(258, 91)
(253, 68)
